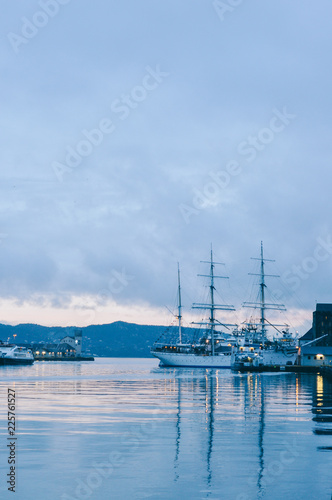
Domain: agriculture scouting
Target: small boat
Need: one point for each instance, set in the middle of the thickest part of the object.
(11, 354)
(247, 358)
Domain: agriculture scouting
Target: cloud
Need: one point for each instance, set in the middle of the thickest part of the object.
(119, 207)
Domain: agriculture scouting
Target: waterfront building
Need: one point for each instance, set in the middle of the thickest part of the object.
(68, 346)
(316, 355)
(318, 352)
(75, 342)
(321, 326)
(47, 351)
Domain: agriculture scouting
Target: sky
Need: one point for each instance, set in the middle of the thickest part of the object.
(136, 134)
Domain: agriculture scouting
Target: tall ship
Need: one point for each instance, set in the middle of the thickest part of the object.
(256, 348)
(212, 346)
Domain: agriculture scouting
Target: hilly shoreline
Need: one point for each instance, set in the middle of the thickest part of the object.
(118, 339)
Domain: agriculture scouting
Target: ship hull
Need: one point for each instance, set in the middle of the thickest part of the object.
(272, 357)
(13, 361)
(193, 360)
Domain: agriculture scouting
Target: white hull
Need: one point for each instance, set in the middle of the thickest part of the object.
(13, 355)
(270, 357)
(193, 360)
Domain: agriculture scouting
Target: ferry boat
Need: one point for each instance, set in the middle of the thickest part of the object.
(213, 348)
(11, 354)
(256, 350)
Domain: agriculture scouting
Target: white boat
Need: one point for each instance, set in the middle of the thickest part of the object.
(256, 349)
(193, 360)
(214, 347)
(11, 354)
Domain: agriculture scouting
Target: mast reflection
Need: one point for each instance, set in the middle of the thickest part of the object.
(261, 434)
(208, 397)
(178, 431)
(210, 377)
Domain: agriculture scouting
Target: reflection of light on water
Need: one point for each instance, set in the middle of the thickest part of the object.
(251, 389)
(167, 428)
(217, 387)
(319, 390)
(206, 395)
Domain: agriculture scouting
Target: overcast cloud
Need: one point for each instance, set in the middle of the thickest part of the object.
(214, 127)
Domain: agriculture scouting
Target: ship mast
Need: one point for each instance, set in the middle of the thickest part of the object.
(212, 315)
(262, 286)
(179, 306)
(262, 304)
(212, 307)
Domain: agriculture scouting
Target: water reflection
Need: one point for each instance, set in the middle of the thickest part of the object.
(236, 408)
(211, 393)
(322, 410)
(180, 433)
(261, 437)
(210, 413)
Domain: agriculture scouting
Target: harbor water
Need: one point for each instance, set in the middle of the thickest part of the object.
(126, 429)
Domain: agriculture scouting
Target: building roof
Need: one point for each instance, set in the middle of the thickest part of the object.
(324, 307)
(52, 347)
(325, 350)
(308, 336)
(65, 347)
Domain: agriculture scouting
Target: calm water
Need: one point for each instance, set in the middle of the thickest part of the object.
(126, 429)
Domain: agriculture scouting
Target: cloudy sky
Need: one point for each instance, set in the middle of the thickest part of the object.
(135, 134)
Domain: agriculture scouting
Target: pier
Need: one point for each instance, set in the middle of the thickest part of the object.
(63, 358)
(324, 370)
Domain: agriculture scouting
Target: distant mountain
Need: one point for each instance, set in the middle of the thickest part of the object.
(117, 339)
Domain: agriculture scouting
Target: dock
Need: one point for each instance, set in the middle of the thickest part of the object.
(324, 370)
(63, 358)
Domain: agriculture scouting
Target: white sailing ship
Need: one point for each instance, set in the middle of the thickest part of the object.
(214, 347)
